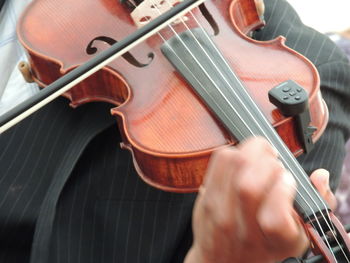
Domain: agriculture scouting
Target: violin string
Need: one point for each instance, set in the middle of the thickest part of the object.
(248, 111)
(291, 157)
(223, 95)
(214, 83)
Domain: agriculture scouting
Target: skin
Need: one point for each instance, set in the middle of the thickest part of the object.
(266, 228)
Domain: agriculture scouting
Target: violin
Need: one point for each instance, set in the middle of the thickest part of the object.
(199, 84)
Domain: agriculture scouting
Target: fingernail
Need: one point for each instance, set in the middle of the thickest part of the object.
(325, 177)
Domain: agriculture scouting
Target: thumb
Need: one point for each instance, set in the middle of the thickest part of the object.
(320, 179)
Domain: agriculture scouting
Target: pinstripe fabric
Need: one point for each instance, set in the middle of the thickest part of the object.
(67, 188)
(1, 3)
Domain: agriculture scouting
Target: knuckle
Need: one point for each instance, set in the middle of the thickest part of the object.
(282, 230)
(271, 230)
(248, 192)
(277, 167)
(213, 212)
(208, 206)
(223, 223)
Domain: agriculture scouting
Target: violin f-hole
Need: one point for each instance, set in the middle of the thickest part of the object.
(207, 15)
(91, 50)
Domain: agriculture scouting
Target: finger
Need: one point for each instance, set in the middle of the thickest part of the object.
(320, 179)
(215, 212)
(259, 175)
(221, 167)
(277, 221)
(230, 158)
(219, 200)
(255, 146)
(255, 184)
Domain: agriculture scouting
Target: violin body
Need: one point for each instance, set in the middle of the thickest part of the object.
(170, 132)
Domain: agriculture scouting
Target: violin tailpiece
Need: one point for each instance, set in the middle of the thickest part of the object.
(328, 245)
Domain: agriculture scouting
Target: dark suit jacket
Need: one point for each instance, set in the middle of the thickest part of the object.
(69, 194)
(1, 3)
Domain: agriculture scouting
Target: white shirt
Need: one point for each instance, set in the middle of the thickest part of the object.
(13, 88)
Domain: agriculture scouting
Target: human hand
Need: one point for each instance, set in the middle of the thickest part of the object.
(244, 212)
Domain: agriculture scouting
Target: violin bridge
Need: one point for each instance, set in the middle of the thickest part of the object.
(148, 10)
